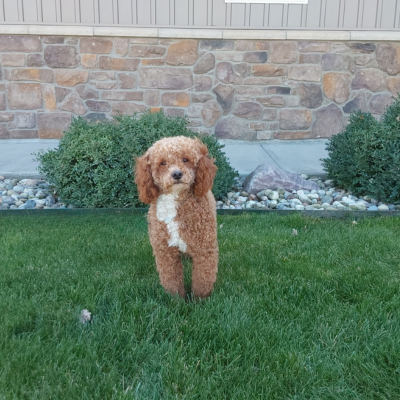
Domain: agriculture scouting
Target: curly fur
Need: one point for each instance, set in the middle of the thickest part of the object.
(182, 214)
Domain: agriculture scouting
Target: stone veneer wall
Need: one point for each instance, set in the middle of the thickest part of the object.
(233, 89)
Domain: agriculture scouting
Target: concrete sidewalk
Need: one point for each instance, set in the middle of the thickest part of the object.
(16, 158)
(297, 156)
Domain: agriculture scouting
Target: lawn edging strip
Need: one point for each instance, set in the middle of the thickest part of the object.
(137, 211)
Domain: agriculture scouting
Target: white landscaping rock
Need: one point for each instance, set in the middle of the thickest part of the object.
(305, 199)
(274, 195)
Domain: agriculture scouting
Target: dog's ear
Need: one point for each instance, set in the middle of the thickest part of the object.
(205, 174)
(148, 191)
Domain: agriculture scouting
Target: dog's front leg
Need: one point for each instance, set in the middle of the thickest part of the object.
(170, 270)
(204, 272)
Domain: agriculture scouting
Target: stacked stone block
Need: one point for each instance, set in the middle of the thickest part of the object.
(233, 89)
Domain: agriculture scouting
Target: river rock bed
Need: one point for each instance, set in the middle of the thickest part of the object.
(25, 194)
(327, 197)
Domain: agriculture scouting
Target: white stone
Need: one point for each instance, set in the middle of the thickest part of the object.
(374, 35)
(85, 316)
(40, 194)
(305, 199)
(347, 200)
(253, 34)
(126, 32)
(14, 29)
(264, 135)
(294, 202)
(383, 207)
(229, 56)
(29, 182)
(60, 30)
(318, 35)
(190, 33)
(274, 195)
(299, 207)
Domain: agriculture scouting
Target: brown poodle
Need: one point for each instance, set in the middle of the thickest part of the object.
(175, 177)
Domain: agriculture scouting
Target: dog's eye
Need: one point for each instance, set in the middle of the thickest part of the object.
(163, 163)
(185, 160)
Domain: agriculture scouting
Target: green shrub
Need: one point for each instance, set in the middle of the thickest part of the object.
(93, 165)
(365, 158)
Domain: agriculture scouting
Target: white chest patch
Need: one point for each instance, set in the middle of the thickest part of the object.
(166, 212)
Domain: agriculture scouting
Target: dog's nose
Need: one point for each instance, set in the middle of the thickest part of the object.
(177, 175)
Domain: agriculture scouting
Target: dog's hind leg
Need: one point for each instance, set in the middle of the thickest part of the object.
(204, 273)
(170, 270)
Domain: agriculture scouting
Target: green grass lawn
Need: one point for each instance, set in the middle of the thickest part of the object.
(312, 316)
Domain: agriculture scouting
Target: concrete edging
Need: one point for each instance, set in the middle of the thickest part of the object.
(199, 33)
(140, 211)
